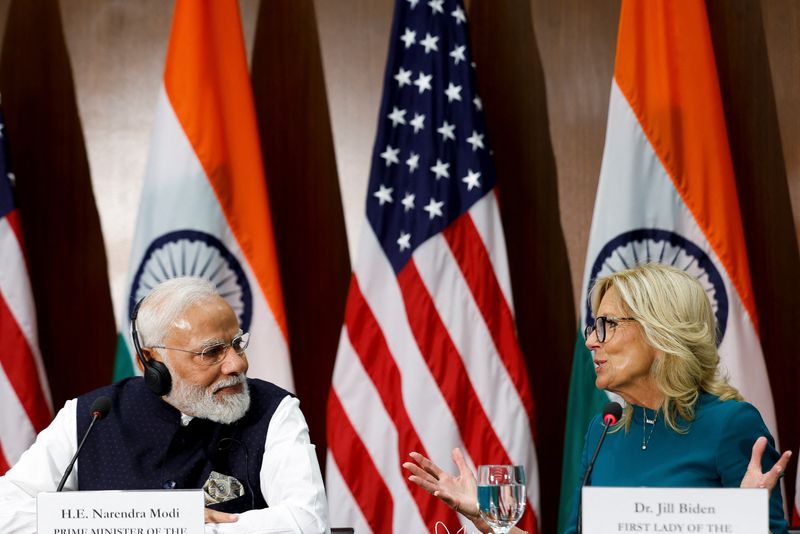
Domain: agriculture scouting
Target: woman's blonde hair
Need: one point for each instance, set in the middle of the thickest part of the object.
(676, 318)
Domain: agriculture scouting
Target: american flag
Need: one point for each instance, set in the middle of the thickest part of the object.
(428, 357)
(25, 407)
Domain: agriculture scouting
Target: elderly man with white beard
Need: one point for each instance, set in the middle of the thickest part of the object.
(194, 421)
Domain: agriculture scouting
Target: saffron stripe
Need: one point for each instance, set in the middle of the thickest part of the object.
(679, 69)
(208, 86)
(369, 344)
(357, 468)
(175, 184)
(475, 265)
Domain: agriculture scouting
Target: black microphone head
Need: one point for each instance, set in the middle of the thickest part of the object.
(100, 407)
(612, 412)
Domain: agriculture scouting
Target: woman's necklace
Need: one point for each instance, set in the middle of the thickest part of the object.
(646, 421)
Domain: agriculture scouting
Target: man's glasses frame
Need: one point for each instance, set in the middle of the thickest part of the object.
(602, 324)
(214, 354)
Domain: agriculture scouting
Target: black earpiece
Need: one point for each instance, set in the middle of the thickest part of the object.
(156, 374)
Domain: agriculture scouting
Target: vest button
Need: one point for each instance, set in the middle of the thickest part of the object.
(169, 484)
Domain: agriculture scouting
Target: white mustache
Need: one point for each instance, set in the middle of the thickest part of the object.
(228, 382)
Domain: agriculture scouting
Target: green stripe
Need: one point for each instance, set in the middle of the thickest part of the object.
(123, 365)
(584, 402)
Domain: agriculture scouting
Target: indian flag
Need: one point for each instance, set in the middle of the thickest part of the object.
(667, 194)
(204, 209)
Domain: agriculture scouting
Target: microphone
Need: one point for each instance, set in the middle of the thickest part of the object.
(611, 414)
(99, 409)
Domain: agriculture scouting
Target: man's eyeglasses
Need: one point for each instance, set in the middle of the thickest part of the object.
(602, 325)
(214, 354)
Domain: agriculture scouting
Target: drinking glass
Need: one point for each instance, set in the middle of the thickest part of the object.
(501, 495)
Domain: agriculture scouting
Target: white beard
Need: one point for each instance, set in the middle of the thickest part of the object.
(199, 401)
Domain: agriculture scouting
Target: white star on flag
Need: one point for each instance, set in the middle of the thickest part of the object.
(408, 201)
(434, 208)
(458, 54)
(423, 81)
(390, 155)
(440, 169)
(430, 43)
(397, 116)
(458, 14)
(471, 179)
(403, 77)
(476, 140)
(412, 162)
(384, 194)
(453, 92)
(436, 6)
(413, 3)
(446, 130)
(477, 102)
(404, 241)
(409, 38)
(418, 122)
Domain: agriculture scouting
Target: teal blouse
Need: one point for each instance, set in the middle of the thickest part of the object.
(714, 453)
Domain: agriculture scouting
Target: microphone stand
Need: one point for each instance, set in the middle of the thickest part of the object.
(95, 416)
(609, 419)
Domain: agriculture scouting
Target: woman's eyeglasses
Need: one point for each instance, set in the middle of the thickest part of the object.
(602, 325)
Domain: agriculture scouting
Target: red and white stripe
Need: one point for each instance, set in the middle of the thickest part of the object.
(428, 360)
(25, 405)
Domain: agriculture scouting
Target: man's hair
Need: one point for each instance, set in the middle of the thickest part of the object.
(675, 317)
(166, 302)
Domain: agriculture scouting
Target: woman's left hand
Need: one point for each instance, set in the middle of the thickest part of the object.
(754, 477)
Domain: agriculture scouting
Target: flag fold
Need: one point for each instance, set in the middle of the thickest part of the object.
(667, 193)
(25, 404)
(428, 356)
(204, 208)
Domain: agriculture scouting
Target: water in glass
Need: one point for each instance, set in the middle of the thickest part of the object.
(501, 495)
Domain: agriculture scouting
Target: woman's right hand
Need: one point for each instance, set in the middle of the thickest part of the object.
(459, 492)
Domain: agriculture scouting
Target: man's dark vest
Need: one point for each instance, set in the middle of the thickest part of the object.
(142, 445)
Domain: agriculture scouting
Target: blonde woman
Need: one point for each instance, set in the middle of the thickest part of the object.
(653, 343)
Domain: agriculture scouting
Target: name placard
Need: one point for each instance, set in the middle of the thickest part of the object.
(121, 512)
(681, 510)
